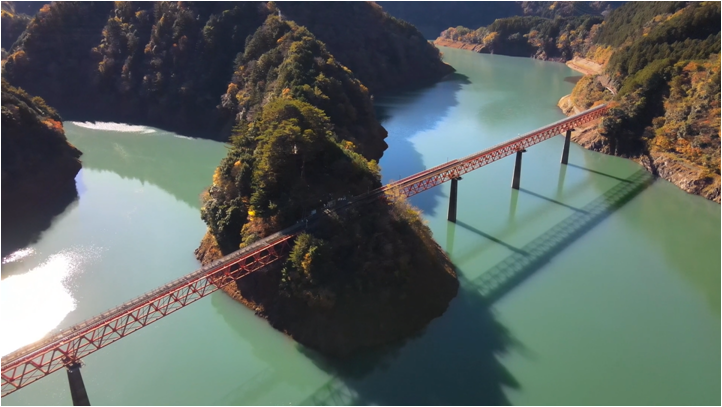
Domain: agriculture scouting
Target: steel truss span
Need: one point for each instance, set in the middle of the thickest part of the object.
(428, 179)
(37, 360)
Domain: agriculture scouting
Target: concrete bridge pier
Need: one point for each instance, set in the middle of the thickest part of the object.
(517, 170)
(565, 151)
(452, 199)
(77, 387)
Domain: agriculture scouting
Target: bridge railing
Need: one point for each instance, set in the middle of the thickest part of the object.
(422, 181)
(37, 360)
(33, 362)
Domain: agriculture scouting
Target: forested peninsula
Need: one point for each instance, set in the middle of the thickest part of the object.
(656, 63)
(290, 86)
(307, 136)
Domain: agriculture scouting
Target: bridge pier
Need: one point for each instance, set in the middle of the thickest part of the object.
(77, 387)
(565, 151)
(452, 199)
(517, 170)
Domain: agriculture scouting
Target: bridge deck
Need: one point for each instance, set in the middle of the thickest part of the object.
(37, 360)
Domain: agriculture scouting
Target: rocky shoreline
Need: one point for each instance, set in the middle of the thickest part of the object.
(685, 175)
(479, 48)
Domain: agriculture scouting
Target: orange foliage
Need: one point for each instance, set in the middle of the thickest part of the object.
(691, 67)
(18, 57)
(53, 125)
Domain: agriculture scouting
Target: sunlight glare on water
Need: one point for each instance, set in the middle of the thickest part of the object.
(36, 302)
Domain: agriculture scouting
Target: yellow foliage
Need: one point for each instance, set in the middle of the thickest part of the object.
(662, 143)
(18, 57)
(306, 264)
(217, 177)
(374, 167)
(491, 37)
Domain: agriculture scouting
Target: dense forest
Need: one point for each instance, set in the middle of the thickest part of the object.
(306, 134)
(543, 38)
(660, 70)
(668, 71)
(13, 24)
(166, 64)
(431, 17)
(38, 167)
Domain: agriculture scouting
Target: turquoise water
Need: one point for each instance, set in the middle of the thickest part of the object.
(627, 312)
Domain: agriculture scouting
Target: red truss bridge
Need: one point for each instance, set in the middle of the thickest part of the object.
(67, 348)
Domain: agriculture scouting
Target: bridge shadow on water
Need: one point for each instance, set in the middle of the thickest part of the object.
(501, 278)
(406, 114)
(454, 361)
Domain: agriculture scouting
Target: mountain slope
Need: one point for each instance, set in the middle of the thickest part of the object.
(166, 64)
(38, 167)
(304, 137)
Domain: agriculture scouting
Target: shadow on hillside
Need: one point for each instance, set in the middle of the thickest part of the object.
(404, 115)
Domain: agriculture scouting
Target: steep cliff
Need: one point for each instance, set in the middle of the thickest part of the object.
(38, 167)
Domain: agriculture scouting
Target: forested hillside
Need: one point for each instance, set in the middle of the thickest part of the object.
(667, 70)
(38, 167)
(166, 64)
(295, 98)
(660, 64)
(542, 38)
(382, 51)
(303, 139)
(432, 17)
(13, 24)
